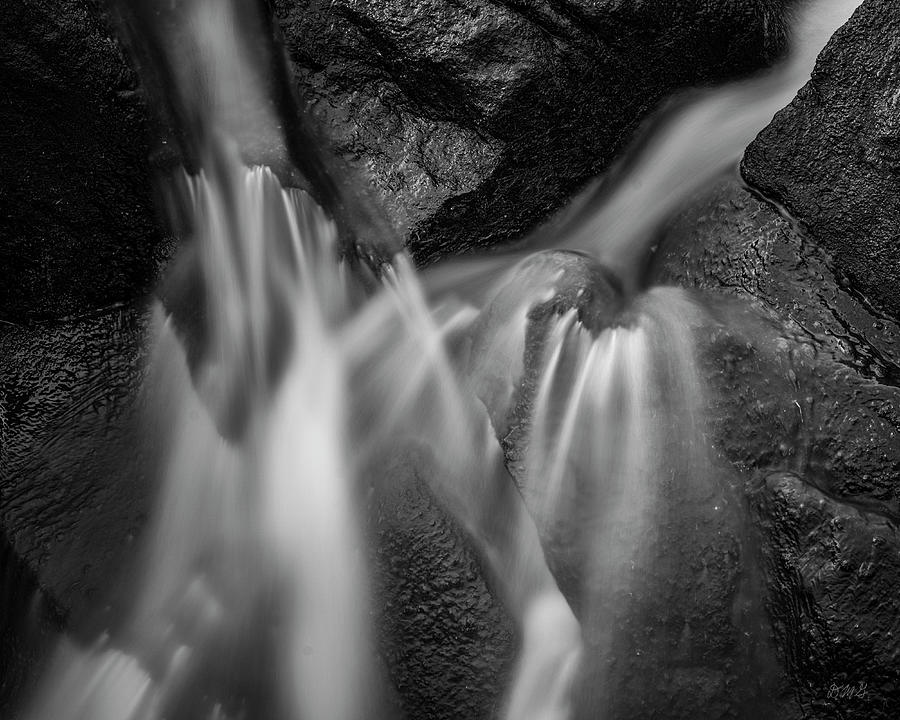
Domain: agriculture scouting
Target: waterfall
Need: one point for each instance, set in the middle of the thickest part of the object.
(253, 598)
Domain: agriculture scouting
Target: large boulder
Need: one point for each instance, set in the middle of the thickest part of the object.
(474, 122)
(832, 157)
(804, 378)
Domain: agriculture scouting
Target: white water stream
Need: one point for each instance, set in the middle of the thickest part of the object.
(255, 581)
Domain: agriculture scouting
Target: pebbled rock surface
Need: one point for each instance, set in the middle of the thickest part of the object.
(807, 407)
(470, 121)
(832, 157)
(473, 120)
(75, 474)
(445, 640)
(78, 228)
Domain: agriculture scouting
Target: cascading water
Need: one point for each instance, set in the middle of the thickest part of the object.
(257, 535)
(254, 600)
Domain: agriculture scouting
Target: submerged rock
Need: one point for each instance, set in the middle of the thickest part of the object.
(832, 157)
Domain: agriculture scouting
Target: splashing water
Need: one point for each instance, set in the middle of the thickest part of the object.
(254, 598)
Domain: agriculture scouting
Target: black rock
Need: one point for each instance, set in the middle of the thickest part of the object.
(833, 574)
(803, 377)
(29, 622)
(832, 157)
(76, 479)
(474, 121)
(78, 225)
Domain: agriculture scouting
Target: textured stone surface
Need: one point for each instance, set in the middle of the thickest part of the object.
(681, 631)
(78, 228)
(471, 122)
(474, 120)
(77, 475)
(471, 138)
(832, 157)
(75, 483)
(833, 572)
(807, 406)
(446, 642)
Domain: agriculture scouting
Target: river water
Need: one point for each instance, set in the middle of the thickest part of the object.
(555, 404)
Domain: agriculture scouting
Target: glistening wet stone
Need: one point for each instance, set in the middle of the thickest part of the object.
(831, 156)
(474, 121)
(814, 428)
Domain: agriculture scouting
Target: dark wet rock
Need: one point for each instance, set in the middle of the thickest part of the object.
(75, 482)
(78, 478)
(446, 641)
(471, 124)
(832, 157)
(473, 121)
(583, 285)
(817, 368)
(29, 622)
(470, 140)
(804, 403)
(835, 572)
(683, 633)
(78, 225)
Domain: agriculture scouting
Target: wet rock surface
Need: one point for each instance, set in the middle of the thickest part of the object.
(473, 121)
(77, 479)
(78, 226)
(832, 157)
(683, 633)
(471, 124)
(834, 358)
(834, 572)
(76, 475)
(805, 405)
(445, 640)
(29, 622)
(533, 99)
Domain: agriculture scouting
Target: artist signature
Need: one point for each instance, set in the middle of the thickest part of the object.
(847, 691)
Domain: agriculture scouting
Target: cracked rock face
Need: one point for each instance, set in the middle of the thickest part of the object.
(832, 157)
